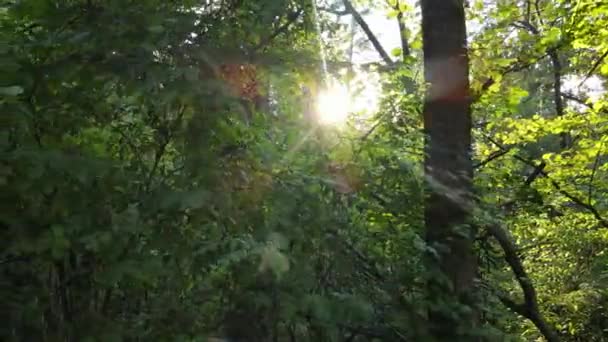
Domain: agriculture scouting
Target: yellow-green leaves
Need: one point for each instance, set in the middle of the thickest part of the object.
(522, 130)
(515, 96)
(550, 37)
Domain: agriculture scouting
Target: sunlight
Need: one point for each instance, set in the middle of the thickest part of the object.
(333, 104)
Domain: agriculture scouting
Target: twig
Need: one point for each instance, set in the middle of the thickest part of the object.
(603, 221)
(513, 67)
(538, 12)
(594, 67)
(570, 96)
(334, 11)
(582, 204)
(370, 131)
(166, 135)
(593, 171)
(494, 155)
(535, 173)
(127, 140)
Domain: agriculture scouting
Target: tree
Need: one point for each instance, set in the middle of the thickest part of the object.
(158, 180)
(448, 168)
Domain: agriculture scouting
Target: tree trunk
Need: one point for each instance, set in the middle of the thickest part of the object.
(448, 167)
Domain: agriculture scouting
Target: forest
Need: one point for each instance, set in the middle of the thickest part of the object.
(303, 170)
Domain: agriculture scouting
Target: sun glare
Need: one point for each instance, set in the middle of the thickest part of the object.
(333, 104)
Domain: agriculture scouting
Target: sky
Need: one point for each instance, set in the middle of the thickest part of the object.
(387, 31)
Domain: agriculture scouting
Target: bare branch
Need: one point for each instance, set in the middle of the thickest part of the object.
(594, 67)
(572, 97)
(530, 308)
(334, 11)
(535, 173)
(494, 155)
(596, 163)
(368, 32)
(370, 131)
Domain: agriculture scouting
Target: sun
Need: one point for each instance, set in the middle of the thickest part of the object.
(333, 104)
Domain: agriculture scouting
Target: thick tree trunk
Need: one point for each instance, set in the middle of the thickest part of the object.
(448, 168)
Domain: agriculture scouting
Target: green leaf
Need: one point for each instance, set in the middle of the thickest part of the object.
(604, 69)
(551, 36)
(416, 44)
(516, 95)
(392, 14)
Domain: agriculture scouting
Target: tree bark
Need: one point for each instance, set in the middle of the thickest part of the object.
(448, 166)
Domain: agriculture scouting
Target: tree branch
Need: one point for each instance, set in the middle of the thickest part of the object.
(557, 92)
(572, 97)
(521, 65)
(594, 67)
(579, 202)
(405, 47)
(530, 307)
(535, 173)
(493, 155)
(513, 67)
(557, 75)
(333, 11)
(291, 18)
(368, 32)
(596, 163)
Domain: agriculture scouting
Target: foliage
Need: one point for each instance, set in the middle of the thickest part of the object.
(143, 199)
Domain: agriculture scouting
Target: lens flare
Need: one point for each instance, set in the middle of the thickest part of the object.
(333, 104)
